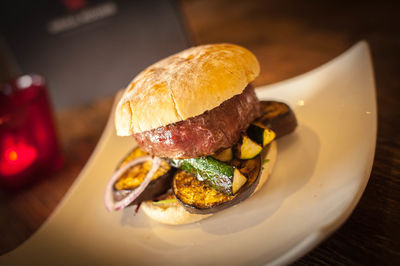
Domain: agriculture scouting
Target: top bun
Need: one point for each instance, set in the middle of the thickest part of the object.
(184, 85)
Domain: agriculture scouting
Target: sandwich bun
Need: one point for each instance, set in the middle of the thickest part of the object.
(184, 85)
(175, 214)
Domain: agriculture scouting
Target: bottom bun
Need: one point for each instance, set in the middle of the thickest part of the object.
(171, 213)
(174, 213)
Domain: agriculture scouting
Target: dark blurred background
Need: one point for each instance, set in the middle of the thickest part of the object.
(88, 50)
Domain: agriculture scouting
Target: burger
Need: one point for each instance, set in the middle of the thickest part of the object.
(205, 141)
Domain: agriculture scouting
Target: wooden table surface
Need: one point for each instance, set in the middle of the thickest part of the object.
(289, 38)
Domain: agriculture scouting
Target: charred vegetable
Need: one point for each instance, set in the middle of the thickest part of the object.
(278, 117)
(246, 148)
(197, 197)
(260, 134)
(238, 181)
(218, 175)
(161, 181)
(224, 155)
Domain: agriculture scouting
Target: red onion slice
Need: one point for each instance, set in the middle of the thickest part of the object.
(108, 198)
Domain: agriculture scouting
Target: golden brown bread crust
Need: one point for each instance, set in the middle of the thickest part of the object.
(175, 213)
(184, 85)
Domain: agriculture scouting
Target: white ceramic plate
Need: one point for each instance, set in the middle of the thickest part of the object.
(321, 172)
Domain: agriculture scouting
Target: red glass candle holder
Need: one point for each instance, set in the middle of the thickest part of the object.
(29, 147)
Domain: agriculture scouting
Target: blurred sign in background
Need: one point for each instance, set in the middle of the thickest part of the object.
(87, 49)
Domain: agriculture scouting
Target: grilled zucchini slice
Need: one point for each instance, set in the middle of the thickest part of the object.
(199, 198)
(238, 180)
(131, 179)
(224, 156)
(260, 134)
(246, 148)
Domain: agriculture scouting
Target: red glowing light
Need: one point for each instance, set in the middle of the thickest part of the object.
(28, 143)
(16, 157)
(12, 155)
(74, 5)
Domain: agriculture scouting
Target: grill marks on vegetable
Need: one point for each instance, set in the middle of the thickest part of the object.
(199, 198)
(208, 184)
(132, 178)
(160, 183)
(278, 117)
(216, 174)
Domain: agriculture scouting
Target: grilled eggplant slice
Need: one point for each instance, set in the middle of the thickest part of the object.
(161, 181)
(277, 116)
(199, 198)
(218, 175)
